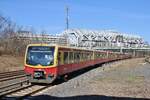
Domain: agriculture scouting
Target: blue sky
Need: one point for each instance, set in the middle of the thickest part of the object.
(129, 16)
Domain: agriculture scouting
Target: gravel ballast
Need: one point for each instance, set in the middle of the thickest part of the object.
(126, 79)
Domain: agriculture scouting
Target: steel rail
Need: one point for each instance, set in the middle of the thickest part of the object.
(11, 74)
(24, 92)
(12, 84)
(13, 77)
(11, 87)
(33, 92)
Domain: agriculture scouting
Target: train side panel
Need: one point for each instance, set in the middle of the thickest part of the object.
(68, 66)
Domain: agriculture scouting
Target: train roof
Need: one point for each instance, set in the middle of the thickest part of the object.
(75, 48)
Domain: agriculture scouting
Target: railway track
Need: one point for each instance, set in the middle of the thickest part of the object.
(19, 88)
(11, 75)
(25, 93)
(12, 81)
(12, 87)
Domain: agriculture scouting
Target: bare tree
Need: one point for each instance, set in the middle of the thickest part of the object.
(11, 41)
(6, 31)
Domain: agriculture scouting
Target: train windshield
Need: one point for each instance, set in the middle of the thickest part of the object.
(40, 55)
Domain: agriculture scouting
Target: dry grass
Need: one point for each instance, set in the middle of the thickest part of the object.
(123, 80)
(10, 63)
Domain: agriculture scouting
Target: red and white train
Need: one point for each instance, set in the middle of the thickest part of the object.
(45, 63)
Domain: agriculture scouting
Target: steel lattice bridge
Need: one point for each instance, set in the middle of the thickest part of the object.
(106, 40)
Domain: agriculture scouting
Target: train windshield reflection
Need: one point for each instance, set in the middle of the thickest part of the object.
(40, 55)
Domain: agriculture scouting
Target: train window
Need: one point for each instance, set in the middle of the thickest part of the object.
(77, 57)
(111, 55)
(81, 56)
(71, 58)
(66, 57)
(89, 56)
(96, 55)
(101, 55)
(108, 55)
(84, 56)
(105, 55)
(60, 58)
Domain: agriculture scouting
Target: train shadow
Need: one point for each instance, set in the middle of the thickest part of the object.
(77, 73)
(85, 97)
(82, 71)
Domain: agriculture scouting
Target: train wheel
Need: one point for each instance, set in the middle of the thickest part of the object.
(65, 78)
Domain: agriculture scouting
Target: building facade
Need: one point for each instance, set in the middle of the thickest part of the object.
(41, 38)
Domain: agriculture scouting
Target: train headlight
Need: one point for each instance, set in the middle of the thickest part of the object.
(38, 74)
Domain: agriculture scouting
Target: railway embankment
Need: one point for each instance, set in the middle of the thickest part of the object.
(11, 63)
(126, 79)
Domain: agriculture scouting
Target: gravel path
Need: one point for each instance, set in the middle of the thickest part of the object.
(127, 79)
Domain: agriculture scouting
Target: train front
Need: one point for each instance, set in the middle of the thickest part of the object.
(40, 63)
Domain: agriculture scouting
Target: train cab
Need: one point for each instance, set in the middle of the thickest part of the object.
(40, 63)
